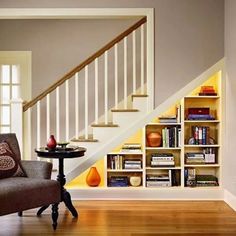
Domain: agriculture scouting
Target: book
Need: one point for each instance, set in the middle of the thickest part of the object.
(200, 117)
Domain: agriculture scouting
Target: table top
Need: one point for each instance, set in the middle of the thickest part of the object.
(60, 153)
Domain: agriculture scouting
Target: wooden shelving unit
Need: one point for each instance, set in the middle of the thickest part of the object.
(179, 151)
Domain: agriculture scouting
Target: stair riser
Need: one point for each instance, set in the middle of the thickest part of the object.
(140, 103)
(104, 134)
(125, 118)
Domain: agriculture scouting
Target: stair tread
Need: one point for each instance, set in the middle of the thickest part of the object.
(83, 139)
(105, 125)
(124, 110)
(139, 95)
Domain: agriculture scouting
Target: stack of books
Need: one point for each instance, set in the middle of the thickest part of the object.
(207, 91)
(171, 136)
(194, 158)
(201, 135)
(175, 118)
(200, 117)
(132, 164)
(199, 113)
(118, 181)
(162, 160)
(205, 157)
(161, 180)
(206, 180)
(131, 147)
(192, 180)
(168, 119)
(116, 162)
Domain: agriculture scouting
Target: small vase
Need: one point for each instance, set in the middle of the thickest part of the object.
(93, 178)
(154, 139)
(51, 143)
(135, 181)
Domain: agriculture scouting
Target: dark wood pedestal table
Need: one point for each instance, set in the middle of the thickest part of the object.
(61, 154)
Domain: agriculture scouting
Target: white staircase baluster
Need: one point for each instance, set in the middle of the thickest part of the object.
(96, 91)
(106, 88)
(67, 111)
(86, 102)
(48, 115)
(125, 73)
(77, 105)
(142, 59)
(28, 138)
(38, 125)
(134, 61)
(116, 76)
(58, 114)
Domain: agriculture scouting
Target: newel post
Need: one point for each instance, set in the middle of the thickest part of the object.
(17, 120)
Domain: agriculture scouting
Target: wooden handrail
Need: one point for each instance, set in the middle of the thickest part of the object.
(84, 63)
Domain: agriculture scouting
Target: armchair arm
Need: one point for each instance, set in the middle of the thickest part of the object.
(37, 169)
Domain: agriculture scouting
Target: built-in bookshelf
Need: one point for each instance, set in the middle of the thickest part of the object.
(189, 153)
(186, 152)
(125, 167)
(202, 161)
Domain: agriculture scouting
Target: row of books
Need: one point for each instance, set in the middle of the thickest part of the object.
(115, 162)
(193, 180)
(162, 160)
(171, 137)
(201, 135)
(167, 179)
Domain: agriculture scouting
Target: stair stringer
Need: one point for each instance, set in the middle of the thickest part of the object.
(87, 161)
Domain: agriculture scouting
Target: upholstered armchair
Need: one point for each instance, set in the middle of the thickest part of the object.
(31, 189)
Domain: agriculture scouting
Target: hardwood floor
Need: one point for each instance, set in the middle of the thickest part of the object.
(136, 218)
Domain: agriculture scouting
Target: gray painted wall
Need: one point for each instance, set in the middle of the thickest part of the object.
(230, 53)
(57, 45)
(188, 36)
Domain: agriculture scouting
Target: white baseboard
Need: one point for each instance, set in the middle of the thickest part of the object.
(147, 194)
(230, 199)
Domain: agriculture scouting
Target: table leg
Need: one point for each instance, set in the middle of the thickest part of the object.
(68, 203)
(65, 196)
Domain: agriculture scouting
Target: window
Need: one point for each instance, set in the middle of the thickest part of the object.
(9, 89)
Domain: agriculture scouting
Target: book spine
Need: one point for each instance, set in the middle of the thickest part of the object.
(167, 137)
(200, 135)
(163, 138)
(179, 137)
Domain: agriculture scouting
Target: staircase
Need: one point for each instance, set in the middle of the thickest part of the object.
(101, 123)
(101, 118)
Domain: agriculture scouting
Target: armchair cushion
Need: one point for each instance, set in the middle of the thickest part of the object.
(37, 169)
(19, 194)
(9, 163)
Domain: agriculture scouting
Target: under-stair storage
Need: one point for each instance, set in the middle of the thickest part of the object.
(179, 149)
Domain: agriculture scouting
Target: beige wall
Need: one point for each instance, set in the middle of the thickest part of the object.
(57, 45)
(188, 37)
(230, 53)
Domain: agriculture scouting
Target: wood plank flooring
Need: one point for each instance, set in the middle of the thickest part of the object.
(134, 218)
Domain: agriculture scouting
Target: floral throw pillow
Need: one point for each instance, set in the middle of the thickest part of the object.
(9, 165)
